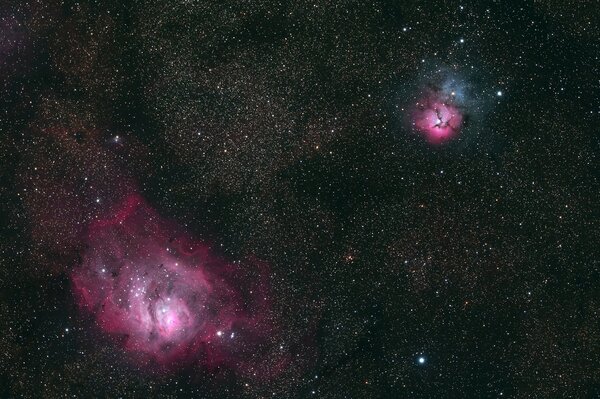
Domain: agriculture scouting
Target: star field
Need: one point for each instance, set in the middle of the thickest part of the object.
(330, 199)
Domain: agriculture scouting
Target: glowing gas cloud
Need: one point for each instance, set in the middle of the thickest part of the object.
(439, 111)
(166, 298)
(437, 119)
(442, 103)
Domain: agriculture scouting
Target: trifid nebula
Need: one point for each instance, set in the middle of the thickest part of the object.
(384, 199)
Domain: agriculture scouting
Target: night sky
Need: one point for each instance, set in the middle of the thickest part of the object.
(324, 199)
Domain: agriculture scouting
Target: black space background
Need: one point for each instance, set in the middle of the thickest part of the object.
(270, 130)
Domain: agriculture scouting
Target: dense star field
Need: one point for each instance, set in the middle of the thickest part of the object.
(385, 199)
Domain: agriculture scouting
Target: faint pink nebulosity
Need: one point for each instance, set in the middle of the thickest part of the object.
(167, 298)
(437, 118)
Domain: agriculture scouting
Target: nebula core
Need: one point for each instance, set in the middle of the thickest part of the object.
(441, 104)
(166, 298)
(438, 119)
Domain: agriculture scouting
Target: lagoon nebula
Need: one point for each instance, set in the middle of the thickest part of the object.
(165, 298)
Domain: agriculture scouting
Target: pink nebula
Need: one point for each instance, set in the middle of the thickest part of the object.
(166, 298)
(437, 118)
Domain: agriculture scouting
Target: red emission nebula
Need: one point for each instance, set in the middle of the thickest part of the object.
(437, 117)
(169, 300)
